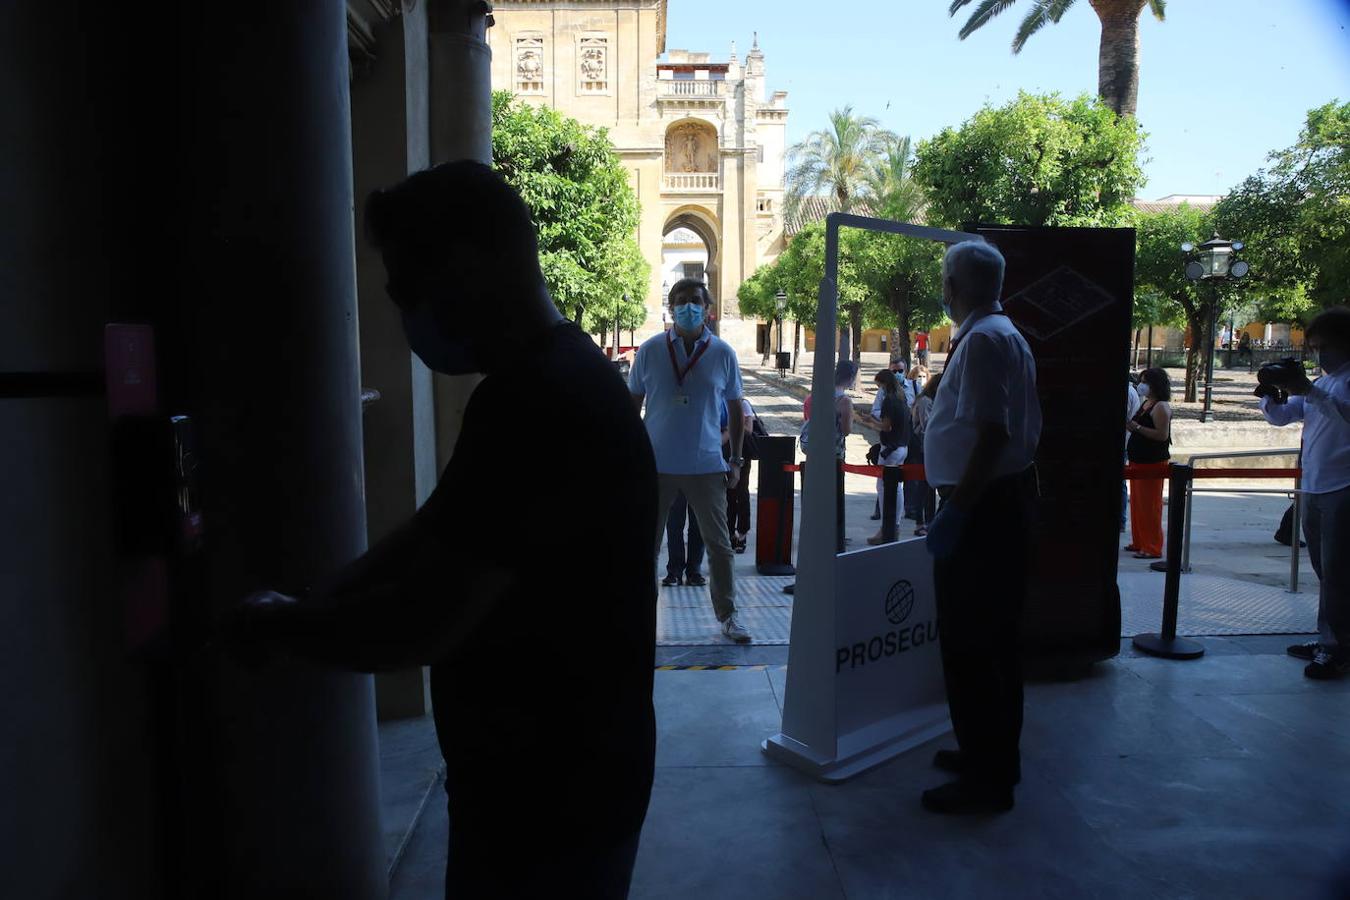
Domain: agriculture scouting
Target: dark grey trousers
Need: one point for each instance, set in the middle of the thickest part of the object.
(1326, 526)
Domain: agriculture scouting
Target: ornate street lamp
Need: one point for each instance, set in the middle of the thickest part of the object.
(617, 337)
(1214, 261)
(780, 300)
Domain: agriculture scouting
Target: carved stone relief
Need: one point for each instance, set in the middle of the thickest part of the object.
(594, 63)
(691, 147)
(529, 64)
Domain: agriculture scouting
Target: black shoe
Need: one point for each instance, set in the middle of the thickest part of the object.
(790, 588)
(1303, 651)
(695, 580)
(962, 797)
(954, 761)
(1328, 666)
(670, 581)
(1159, 566)
(950, 761)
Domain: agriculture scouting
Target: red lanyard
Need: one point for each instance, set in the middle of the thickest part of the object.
(693, 360)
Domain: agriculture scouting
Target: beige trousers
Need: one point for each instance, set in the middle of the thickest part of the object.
(707, 497)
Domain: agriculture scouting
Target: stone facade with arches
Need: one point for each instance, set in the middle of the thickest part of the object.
(703, 140)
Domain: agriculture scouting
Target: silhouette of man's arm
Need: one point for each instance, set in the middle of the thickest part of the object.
(413, 599)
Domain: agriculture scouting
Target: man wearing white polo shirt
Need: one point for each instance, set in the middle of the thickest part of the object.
(978, 450)
(687, 375)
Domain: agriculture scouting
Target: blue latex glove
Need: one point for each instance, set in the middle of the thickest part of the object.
(944, 532)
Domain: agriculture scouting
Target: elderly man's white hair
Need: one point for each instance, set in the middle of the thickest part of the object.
(976, 268)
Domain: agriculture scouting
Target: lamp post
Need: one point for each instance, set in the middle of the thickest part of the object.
(780, 301)
(617, 336)
(1214, 261)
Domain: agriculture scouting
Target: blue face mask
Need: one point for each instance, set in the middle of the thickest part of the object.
(438, 353)
(947, 309)
(689, 316)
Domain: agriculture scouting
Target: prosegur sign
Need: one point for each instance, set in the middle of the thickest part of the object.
(899, 604)
(876, 689)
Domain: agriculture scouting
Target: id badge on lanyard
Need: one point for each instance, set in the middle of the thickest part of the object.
(682, 397)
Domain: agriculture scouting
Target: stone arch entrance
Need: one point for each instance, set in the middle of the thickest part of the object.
(705, 226)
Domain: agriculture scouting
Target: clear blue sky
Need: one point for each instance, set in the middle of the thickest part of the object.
(1222, 82)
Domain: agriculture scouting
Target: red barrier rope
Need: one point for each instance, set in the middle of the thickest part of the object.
(908, 472)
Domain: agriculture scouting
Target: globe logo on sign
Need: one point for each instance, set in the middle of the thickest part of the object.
(899, 602)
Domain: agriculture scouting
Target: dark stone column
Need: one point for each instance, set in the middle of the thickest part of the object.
(268, 305)
(390, 139)
(461, 128)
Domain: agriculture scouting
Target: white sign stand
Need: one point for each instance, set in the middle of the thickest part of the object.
(864, 679)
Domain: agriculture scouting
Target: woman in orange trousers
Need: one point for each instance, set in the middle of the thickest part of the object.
(1150, 438)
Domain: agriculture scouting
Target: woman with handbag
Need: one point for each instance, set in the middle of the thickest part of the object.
(925, 506)
(1150, 438)
(738, 498)
(895, 435)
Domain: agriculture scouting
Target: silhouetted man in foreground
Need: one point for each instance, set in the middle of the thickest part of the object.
(548, 766)
(979, 447)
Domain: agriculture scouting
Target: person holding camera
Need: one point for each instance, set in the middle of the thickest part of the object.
(1150, 441)
(1324, 408)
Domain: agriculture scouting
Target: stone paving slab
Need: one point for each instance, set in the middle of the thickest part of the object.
(1208, 605)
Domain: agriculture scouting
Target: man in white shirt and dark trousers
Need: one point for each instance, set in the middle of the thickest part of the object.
(688, 376)
(1324, 408)
(978, 448)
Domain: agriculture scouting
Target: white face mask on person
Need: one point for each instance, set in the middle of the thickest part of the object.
(437, 352)
(1142, 390)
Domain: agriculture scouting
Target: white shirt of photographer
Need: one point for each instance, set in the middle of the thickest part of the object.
(1325, 413)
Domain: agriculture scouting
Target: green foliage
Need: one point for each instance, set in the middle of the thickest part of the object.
(1163, 293)
(885, 281)
(584, 209)
(1039, 160)
(1295, 219)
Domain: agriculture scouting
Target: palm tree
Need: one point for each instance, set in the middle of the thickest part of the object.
(1118, 57)
(836, 164)
(890, 189)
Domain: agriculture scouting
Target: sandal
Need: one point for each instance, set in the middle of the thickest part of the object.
(1148, 556)
(920, 531)
(1130, 548)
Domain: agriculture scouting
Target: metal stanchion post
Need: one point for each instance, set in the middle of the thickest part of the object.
(1186, 547)
(1297, 534)
(1167, 644)
(891, 477)
(839, 508)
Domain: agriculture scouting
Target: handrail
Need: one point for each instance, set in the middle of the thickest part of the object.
(1247, 454)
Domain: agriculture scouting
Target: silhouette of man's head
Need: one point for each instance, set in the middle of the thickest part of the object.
(460, 251)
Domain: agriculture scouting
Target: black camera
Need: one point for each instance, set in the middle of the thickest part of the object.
(1270, 376)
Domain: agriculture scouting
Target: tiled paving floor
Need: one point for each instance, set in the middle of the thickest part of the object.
(1209, 605)
(1224, 778)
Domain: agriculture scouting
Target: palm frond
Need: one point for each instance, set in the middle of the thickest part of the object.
(1043, 13)
(983, 13)
(956, 5)
(1058, 8)
(1159, 8)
